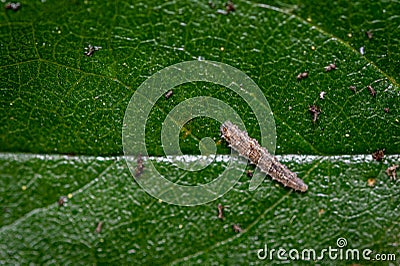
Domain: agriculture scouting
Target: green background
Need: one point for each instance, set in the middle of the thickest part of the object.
(62, 116)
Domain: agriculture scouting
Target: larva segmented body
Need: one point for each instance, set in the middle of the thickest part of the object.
(250, 149)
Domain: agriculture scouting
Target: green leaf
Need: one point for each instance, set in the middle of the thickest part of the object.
(62, 116)
(140, 229)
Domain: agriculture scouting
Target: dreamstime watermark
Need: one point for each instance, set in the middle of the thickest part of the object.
(340, 252)
(146, 96)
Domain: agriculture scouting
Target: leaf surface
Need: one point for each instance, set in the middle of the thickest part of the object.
(62, 116)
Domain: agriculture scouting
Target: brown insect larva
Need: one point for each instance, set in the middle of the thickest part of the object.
(250, 149)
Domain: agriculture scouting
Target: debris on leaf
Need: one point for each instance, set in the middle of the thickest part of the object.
(386, 109)
(353, 88)
(230, 7)
(371, 90)
(362, 50)
(237, 228)
(98, 228)
(391, 172)
(315, 111)
(371, 182)
(369, 34)
(330, 67)
(62, 200)
(89, 51)
(321, 95)
(140, 167)
(168, 94)
(249, 173)
(222, 12)
(302, 75)
(378, 155)
(13, 6)
(220, 212)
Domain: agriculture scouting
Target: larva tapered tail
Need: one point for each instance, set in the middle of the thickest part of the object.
(250, 149)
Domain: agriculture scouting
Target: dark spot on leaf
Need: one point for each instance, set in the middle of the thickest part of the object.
(230, 7)
(62, 200)
(378, 155)
(249, 173)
